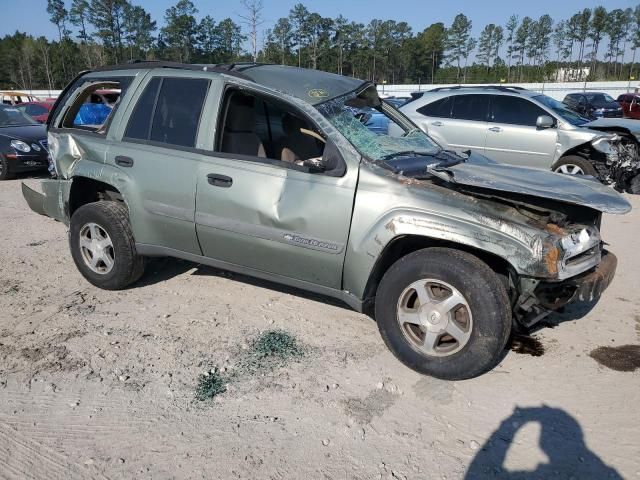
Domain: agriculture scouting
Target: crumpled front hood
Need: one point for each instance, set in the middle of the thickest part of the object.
(628, 123)
(481, 172)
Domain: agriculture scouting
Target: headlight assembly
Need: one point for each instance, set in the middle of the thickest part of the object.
(603, 144)
(20, 146)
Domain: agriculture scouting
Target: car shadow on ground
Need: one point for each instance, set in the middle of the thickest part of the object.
(561, 440)
(570, 313)
(161, 269)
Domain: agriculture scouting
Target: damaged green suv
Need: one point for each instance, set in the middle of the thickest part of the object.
(271, 171)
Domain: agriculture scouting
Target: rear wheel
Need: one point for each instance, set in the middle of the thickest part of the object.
(575, 165)
(103, 247)
(444, 313)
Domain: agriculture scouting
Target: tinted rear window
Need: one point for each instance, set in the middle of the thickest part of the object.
(170, 115)
(140, 121)
(514, 111)
(470, 107)
(178, 109)
(440, 108)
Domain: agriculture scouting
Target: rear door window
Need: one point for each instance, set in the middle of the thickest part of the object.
(514, 111)
(178, 108)
(139, 125)
(169, 111)
(470, 107)
(440, 108)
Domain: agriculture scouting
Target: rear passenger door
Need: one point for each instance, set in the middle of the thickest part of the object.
(158, 156)
(512, 135)
(459, 121)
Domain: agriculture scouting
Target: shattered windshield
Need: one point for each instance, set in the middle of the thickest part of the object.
(562, 110)
(12, 117)
(375, 129)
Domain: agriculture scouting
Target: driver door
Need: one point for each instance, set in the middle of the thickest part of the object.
(267, 215)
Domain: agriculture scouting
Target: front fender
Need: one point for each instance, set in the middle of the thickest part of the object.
(529, 252)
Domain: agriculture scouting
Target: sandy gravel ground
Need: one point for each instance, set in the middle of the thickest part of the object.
(97, 384)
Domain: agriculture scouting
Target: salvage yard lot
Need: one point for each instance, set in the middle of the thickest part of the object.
(103, 384)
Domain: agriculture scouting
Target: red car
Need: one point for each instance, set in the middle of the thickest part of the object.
(630, 103)
(39, 111)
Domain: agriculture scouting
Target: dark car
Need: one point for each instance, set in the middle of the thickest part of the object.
(630, 103)
(593, 105)
(23, 143)
(39, 111)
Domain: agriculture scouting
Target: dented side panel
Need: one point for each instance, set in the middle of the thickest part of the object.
(388, 207)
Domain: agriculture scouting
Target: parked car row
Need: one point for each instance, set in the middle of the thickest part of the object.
(525, 128)
(272, 171)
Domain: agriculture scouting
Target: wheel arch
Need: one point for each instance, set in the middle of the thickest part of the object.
(86, 190)
(403, 245)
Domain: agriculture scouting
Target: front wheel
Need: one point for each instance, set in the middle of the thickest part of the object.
(5, 174)
(103, 247)
(444, 313)
(575, 165)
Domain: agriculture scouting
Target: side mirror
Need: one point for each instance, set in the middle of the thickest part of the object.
(544, 121)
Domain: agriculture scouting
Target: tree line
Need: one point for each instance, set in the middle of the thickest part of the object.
(593, 44)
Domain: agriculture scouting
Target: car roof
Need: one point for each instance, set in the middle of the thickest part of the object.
(312, 86)
(429, 96)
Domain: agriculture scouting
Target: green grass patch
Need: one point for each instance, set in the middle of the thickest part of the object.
(210, 385)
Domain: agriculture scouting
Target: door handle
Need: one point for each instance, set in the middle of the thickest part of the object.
(437, 124)
(124, 161)
(495, 129)
(219, 180)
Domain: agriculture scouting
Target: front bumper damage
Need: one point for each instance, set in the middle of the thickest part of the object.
(539, 298)
(51, 201)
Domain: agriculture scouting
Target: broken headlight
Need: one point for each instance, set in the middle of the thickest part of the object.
(580, 251)
(603, 144)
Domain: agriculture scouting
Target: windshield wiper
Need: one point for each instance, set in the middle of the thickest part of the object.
(406, 153)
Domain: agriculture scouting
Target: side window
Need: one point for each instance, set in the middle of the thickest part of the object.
(82, 114)
(440, 108)
(139, 124)
(259, 127)
(514, 110)
(168, 111)
(470, 107)
(177, 112)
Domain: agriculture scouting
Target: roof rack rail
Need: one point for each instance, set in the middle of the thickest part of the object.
(504, 88)
(136, 63)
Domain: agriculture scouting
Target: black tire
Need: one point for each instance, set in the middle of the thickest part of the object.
(585, 165)
(487, 300)
(634, 185)
(5, 174)
(113, 218)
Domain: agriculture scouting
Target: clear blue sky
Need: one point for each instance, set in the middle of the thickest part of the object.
(30, 15)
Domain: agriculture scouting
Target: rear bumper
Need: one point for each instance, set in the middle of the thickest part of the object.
(52, 200)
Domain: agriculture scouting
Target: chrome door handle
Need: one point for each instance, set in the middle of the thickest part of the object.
(437, 124)
(219, 180)
(495, 129)
(124, 161)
